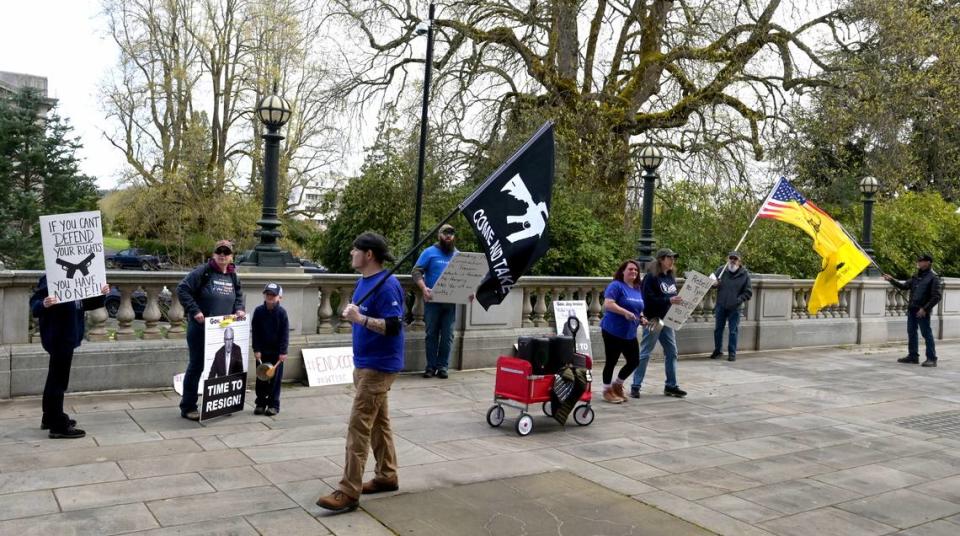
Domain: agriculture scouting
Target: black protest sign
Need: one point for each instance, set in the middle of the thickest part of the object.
(223, 395)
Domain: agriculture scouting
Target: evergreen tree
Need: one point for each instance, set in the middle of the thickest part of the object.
(39, 174)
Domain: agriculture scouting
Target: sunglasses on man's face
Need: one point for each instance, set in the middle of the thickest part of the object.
(734, 258)
(223, 251)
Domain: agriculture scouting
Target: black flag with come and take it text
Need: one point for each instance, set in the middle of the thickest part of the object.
(509, 214)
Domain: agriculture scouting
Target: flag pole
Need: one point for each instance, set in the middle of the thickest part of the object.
(757, 215)
(854, 240)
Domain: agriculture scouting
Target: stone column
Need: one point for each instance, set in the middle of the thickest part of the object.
(175, 316)
(151, 314)
(774, 297)
(98, 324)
(125, 315)
(325, 311)
(868, 304)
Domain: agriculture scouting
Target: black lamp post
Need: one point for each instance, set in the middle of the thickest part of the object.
(421, 160)
(869, 187)
(650, 159)
(273, 111)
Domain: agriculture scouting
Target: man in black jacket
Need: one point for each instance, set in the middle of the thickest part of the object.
(733, 290)
(61, 331)
(925, 294)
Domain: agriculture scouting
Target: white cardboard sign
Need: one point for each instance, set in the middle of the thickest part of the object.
(564, 309)
(328, 366)
(461, 278)
(73, 254)
(695, 287)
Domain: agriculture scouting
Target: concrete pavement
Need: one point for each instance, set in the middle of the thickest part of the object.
(813, 441)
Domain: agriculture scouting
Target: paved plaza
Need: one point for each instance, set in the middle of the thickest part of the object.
(838, 441)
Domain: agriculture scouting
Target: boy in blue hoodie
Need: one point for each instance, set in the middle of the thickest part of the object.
(270, 334)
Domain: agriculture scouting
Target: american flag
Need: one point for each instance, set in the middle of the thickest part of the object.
(778, 200)
(784, 199)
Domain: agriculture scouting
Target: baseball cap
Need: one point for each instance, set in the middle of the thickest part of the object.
(223, 244)
(667, 252)
(374, 242)
(273, 288)
(925, 257)
(734, 253)
(446, 228)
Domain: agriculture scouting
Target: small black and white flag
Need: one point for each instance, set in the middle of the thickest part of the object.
(509, 213)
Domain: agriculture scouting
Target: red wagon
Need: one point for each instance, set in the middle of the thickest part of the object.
(517, 387)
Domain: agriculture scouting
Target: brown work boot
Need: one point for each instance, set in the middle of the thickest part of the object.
(611, 397)
(617, 389)
(338, 502)
(377, 485)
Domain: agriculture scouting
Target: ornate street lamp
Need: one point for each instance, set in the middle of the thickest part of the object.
(274, 112)
(650, 158)
(869, 186)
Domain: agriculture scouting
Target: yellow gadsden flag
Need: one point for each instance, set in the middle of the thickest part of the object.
(842, 257)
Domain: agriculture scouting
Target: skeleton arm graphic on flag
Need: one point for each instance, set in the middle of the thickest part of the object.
(534, 220)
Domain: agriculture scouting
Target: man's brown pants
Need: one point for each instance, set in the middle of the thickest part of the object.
(369, 427)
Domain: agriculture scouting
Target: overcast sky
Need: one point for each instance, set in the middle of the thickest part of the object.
(64, 41)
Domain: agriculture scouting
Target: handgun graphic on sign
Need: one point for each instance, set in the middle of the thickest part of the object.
(71, 268)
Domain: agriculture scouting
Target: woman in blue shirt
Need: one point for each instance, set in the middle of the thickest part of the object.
(623, 306)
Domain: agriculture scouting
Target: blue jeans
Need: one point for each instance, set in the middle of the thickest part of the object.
(439, 318)
(191, 379)
(913, 345)
(724, 316)
(668, 341)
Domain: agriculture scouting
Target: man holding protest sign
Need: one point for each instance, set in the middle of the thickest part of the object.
(75, 282)
(377, 357)
(733, 290)
(659, 290)
(61, 331)
(211, 289)
(438, 317)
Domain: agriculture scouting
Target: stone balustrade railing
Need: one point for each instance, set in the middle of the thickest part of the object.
(131, 352)
(163, 315)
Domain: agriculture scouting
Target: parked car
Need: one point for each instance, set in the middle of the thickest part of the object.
(310, 267)
(133, 258)
(138, 299)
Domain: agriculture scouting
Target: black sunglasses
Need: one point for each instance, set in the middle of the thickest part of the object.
(223, 251)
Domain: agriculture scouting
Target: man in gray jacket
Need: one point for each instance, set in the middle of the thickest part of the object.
(733, 289)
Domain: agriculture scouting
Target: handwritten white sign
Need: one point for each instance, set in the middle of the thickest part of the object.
(695, 287)
(461, 278)
(73, 254)
(563, 310)
(328, 366)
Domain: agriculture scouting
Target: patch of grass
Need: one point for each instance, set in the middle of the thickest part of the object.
(115, 242)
